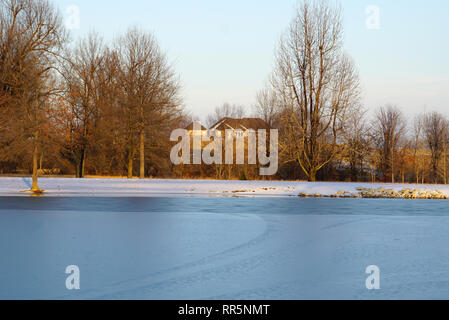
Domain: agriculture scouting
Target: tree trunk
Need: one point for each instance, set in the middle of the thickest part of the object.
(83, 164)
(35, 187)
(142, 155)
(392, 166)
(80, 165)
(444, 166)
(77, 170)
(130, 164)
(41, 160)
(312, 175)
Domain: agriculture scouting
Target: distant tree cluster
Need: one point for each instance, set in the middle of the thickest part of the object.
(80, 108)
(386, 148)
(313, 98)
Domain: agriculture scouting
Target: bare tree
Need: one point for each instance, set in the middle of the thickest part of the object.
(226, 110)
(403, 158)
(266, 106)
(435, 127)
(445, 145)
(418, 148)
(82, 70)
(387, 130)
(31, 36)
(150, 95)
(357, 142)
(316, 82)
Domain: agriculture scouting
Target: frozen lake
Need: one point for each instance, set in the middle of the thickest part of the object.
(223, 248)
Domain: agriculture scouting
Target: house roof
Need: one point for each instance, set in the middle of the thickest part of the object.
(243, 124)
(190, 127)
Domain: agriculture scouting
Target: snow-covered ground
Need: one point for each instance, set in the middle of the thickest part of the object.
(156, 187)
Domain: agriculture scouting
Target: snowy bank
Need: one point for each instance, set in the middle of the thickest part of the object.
(158, 187)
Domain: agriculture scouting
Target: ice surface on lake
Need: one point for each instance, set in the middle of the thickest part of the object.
(223, 248)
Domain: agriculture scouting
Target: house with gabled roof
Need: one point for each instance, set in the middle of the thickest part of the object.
(192, 129)
(238, 126)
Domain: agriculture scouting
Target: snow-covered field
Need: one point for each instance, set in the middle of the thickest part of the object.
(156, 187)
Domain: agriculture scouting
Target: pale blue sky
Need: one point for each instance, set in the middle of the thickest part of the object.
(224, 50)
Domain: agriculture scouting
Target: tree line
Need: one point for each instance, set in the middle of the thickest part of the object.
(313, 98)
(98, 108)
(86, 106)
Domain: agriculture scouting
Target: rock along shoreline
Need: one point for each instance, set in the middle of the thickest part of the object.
(383, 193)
